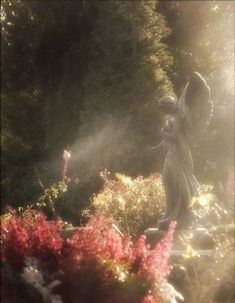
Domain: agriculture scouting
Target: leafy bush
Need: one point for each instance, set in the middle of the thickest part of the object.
(214, 267)
(135, 204)
(208, 255)
(94, 264)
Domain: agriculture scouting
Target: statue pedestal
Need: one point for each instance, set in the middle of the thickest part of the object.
(201, 240)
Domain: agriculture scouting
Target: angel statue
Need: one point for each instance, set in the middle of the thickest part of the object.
(188, 120)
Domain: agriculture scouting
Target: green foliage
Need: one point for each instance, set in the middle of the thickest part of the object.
(126, 70)
(65, 74)
(88, 74)
(208, 246)
(202, 39)
(135, 204)
(48, 201)
(126, 75)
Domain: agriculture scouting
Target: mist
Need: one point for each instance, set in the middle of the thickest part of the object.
(104, 148)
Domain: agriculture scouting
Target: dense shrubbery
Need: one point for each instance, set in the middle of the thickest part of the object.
(42, 260)
(72, 79)
(135, 204)
(94, 264)
(208, 254)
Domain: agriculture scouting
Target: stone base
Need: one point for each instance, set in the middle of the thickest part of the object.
(201, 240)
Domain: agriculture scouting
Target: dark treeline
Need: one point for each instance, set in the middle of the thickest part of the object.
(87, 76)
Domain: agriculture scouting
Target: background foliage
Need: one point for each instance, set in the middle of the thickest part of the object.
(87, 75)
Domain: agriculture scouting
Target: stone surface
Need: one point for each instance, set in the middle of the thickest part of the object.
(200, 239)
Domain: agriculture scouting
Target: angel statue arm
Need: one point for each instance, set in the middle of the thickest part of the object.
(156, 147)
(167, 132)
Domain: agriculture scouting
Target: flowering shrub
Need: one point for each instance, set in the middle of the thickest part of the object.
(111, 268)
(29, 234)
(135, 204)
(95, 264)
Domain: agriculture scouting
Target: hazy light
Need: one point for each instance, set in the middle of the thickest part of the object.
(215, 8)
(3, 14)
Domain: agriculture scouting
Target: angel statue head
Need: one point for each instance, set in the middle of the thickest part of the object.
(168, 105)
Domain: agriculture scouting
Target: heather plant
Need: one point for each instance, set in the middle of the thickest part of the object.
(29, 234)
(135, 204)
(94, 264)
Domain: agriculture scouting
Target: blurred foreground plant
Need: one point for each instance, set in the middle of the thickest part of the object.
(208, 244)
(94, 264)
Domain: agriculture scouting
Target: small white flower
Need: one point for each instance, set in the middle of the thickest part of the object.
(121, 202)
(170, 294)
(31, 274)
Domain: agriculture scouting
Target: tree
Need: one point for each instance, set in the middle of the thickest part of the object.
(68, 81)
(202, 39)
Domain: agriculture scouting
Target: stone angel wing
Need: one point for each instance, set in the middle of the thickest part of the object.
(195, 108)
